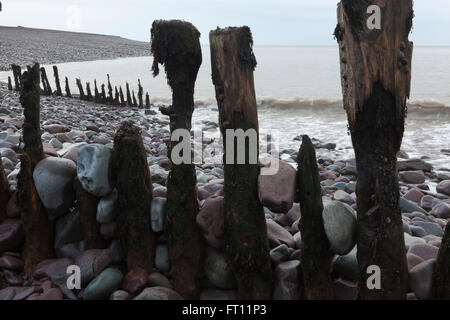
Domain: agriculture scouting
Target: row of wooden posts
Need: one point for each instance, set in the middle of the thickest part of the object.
(376, 122)
(115, 98)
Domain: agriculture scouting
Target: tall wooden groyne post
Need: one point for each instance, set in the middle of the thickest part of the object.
(375, 56)
(246, 244)
(175, 44)
(38, 229)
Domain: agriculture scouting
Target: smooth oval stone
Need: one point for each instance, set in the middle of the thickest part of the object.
(157, 279)
(420, 279)
(158, 214)
(414, 177)
(210, 220)
(279, 254)
(444, 187)
(103, 285)
(55, 143)
(286, 281)
(218, 271)
(94, 169)
(53, 178)
(339, 221)
(430, 228)
(158, 293)
(105, 208)
(408, 206)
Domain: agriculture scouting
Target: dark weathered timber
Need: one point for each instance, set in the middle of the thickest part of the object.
(39, 231)
(315, 255)
(175, 44)
(116, 97)
(58, 84)
(17, 75)
(80, 89)
(442, 272)
(46, 83)
(87, 205)
(134, 101)
(96, 94)
(103, 94)
(123, 103)
(88, 92)
(129, 100)
(10, 87)
(134, 185)
(246, 243)
(4, 193)
(110, 92)
(68, 94)
(147, 101)
(140, 95)
(375, 86)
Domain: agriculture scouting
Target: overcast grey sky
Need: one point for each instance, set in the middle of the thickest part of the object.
(273, 22)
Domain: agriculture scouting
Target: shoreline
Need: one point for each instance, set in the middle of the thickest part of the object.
(24, 46)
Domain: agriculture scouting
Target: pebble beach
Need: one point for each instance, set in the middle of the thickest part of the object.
(69, 136)
(78, 137)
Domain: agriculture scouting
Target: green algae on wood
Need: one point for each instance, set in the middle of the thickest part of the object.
(315, 255)
(87, 205)
(245, 239)
(175, 44)
(134, 185)
(375, 85)
(39, 230)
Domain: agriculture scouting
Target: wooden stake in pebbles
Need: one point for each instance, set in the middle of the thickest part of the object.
(246, 243)
(316, 255)
(80, 88)
(39, 231)
(58, 84)
(68, 94)
(87, 204)
(175, 44)
(442, 272)
(375, 85)
(45, 83)
(134, 185)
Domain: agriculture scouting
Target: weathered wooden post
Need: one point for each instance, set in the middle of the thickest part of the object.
(175, 44)
(96, 94)
(129, 100)
(110, 92)
(103, 95)
(134, 101)
(87, 204)
(316, 255)
(122, 98)
(140, 95)
(17, 74)
(10, 87)
(116, 96)
(58, 84)
(233, 63)
(80, 88)
(68, 94)
(376, 76)
(442, 272)
(134, 186)
(46, 83)
(147, 101)
(4, 193)
(38, 229)
(88, 91)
